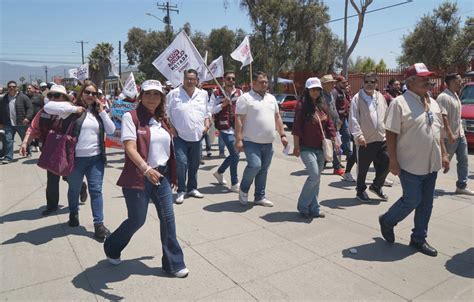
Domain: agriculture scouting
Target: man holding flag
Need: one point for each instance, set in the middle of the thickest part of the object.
(188, 112)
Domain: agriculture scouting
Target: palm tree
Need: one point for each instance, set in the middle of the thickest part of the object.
(99, 62)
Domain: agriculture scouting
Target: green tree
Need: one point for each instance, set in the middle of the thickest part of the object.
(99, 62)
(438, 40)
(381, 66)
(22, 79)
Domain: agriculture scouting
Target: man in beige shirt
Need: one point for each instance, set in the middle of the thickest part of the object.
(455, 141)
(413, 125)
(366, 123)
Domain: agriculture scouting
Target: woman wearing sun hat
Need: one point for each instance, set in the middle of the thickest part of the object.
(149, 173)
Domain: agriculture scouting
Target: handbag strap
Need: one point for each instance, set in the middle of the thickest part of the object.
(320, 125)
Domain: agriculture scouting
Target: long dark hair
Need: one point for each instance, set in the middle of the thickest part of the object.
(80, 102)
(160, 112)
(309, 107)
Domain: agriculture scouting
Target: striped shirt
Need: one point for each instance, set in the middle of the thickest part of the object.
(452, 109)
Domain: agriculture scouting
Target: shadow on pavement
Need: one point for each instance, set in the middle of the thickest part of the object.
(228, 206)
(342, 203)
(46, 234)
(380, 251)
(206, 167)
(299, 173)
(455, 264)
(343, 185)
(100, 278)
(32, 161)
(216, 189)
(285, 216)
(31, 214)
(116, 161)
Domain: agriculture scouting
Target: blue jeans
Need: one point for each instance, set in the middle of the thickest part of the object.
(308, 200)
(188, 158)
(460, 149)
(221, 144)
(418, 192)
(137, 207)
(259, 157)
(345, 138)
(232, 160)
(10, 138)
(93, 168)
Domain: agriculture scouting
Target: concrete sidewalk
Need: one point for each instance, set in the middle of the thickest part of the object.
(234, 252)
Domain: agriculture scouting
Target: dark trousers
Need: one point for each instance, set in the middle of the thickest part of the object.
(52, 191)
(375, 152)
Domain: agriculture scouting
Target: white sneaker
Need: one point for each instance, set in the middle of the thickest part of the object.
(388, 182)
(220, 178)
(114, 261)
(195, 193)
(180, 198)
(348, 177)
(464, 191)
(264, 202)
(243, 197)
(182, 273)
(235, 188)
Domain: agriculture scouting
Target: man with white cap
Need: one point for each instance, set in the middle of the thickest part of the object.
(366, 123)
(190, 117)
(413, 125)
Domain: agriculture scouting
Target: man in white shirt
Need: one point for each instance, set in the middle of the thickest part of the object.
(413, 125)
(455, 140)
(366, 123)
(257, 117)
(223, 108)
(189, 115)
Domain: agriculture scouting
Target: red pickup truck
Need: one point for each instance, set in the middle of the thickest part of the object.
(287, 104)
(467, 114)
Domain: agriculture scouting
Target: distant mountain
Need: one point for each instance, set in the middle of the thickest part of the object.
(15, 71)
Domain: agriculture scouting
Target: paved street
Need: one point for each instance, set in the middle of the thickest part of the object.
(234, 252)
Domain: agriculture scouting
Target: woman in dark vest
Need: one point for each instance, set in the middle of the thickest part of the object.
(90, 128)
(312, 124)
(149, 173)
(39, 128)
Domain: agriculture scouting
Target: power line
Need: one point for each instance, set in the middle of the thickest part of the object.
(37, 61)
(36, 54)
(372, 11)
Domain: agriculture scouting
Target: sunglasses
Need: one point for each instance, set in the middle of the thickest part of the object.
(230, 79)
(51, 95)
(90, 92)
(429, 117)
(372, 82)
(12, 86)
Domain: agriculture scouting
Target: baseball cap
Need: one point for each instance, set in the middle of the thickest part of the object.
(152, 85)
(418, 69)
(43, 84)
(340, 78)
(313, 83)
(327, 78)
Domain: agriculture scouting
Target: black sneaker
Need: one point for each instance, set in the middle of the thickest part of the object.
(387, 231)
(48, 211)
(362, 196)
(73, 220)
(378, 192)
(425, 248)
(83, 196)
(100, 231)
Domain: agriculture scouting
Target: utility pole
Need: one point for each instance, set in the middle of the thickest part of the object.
(167, 7)
(82, 49)
(120, 60)
(46, 73)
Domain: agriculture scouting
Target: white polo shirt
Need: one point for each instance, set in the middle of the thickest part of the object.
(187, 114)
(259, 126)
(418, 142)
(160, 140)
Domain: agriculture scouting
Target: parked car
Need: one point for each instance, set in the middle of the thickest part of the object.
(467, 114)
(287, 104)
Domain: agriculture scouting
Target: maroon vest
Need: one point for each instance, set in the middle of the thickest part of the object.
(224, 119)
(132, 177)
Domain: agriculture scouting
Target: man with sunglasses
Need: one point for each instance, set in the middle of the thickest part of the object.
(367, 127)
(223, 108)
(413, 126)
(16, 112)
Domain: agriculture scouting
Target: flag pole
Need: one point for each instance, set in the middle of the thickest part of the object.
(251, 84)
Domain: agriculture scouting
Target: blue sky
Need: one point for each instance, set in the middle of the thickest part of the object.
(45, 31)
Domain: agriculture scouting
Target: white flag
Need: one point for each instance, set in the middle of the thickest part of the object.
(217, 69)
(243, 53)
(83, 72)
(202, 73)
(180, 55)
(113, 68)
(73, 73)
(130, 87)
